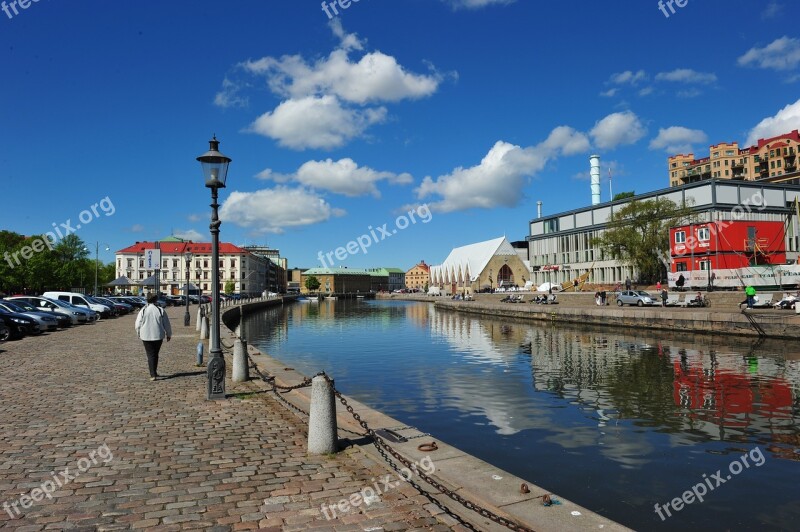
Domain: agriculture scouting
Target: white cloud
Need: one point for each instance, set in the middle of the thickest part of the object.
(692, 92)
(195, 217)
(610, 93)
(628, 77)
(784, 121)
(191, 234)
(780, 54)
(376, 77)
(136, 228)
(273, 210)
(341, 177)
(316, 122)
(772, 10)
(229, 95)
(687, 75)
(646, 91)
(328, 102)
(617, 129)
(499, 178)
(677, 139)
(476, 4)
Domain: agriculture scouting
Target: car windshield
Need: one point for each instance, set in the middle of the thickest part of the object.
(11, 306)
(22, 304)
(645, 294)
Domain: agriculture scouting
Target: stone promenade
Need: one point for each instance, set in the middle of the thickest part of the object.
(88, 442)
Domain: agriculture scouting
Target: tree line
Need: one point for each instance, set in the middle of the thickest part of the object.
(28, 267)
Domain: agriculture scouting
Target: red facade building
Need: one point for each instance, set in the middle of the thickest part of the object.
(727, 244)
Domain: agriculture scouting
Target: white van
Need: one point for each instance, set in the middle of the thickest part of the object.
(79, 300)
(434, 291)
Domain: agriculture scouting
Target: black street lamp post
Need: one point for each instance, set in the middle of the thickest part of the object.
(215, 171)
(186, 318)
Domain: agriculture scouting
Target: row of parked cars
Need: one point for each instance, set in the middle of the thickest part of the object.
(22, 315)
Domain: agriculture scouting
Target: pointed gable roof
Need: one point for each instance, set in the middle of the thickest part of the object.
(472, 259)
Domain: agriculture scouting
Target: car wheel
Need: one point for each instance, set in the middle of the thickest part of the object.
(5, 335)
(640, 303)
(619, 302)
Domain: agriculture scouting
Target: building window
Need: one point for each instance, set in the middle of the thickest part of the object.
(703, 234)
(680, 237)
(680, 266)
(705, 265)
(728, 152)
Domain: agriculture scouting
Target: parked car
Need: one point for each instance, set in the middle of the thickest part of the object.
(18, 325)
(62, 319)
(639, 298)
(80, 300)
(120, 308)
(57, 307)
(46, 322)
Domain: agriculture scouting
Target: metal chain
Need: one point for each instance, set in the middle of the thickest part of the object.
(380, 443)
(384, 449)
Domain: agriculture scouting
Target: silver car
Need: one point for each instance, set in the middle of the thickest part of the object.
(46, 323)
(48, 305)
(639, 298)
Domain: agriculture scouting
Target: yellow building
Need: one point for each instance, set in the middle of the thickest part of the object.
(481, 266)
(338, 280)
(771, 158)
(418, 277)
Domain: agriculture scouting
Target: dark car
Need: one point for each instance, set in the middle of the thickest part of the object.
(121, 308)
(18, 325)
(3, 331)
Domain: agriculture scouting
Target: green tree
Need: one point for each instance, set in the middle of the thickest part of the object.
(623, 195)
(638, 235)
(312, 283)
(230, 286)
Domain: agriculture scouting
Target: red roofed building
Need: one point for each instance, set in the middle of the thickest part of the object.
(418, 277)
(247, 271)
(771, 159)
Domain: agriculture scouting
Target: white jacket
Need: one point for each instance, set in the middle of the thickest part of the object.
(152, 323)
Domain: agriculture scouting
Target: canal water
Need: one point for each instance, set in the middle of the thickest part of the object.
(615, 420)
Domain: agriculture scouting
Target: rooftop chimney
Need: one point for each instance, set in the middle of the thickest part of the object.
(594, 172)
(539, 209)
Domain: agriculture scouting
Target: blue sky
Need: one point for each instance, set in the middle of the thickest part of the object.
(475, 108)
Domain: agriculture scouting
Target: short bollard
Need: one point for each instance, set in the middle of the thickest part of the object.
(200, 315)
(204, 328)
(240, 370)
(322, 429)
(199, 354)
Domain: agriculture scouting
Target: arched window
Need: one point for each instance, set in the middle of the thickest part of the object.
(505, 277)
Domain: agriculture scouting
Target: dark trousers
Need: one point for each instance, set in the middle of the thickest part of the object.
(152, 348)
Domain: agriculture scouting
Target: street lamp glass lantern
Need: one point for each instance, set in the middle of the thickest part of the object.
(215, 165)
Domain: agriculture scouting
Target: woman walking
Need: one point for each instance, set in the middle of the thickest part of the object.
(152, 326)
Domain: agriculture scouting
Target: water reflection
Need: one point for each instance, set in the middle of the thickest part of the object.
(578, 409)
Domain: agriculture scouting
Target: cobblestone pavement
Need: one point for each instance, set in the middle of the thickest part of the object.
(88, 442)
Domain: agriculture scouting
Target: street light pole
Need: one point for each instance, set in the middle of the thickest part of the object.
(186, 317)
(215, 171)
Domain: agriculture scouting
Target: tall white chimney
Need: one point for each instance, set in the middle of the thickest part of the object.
(539, 209)
(594, 172)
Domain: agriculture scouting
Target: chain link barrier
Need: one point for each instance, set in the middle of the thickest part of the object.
(384, 449)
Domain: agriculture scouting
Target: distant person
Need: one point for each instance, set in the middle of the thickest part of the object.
(575, 285)
(680, 282)
(627, 283)
(658, 286)
(750, 292)
(664, 296)
(152, 326)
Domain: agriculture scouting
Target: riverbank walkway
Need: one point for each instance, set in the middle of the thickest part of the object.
(88, 442)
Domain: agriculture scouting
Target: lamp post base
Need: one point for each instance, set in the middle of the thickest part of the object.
(186, 319)
(216, 377)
